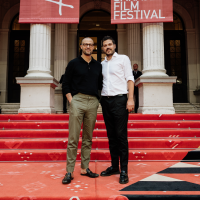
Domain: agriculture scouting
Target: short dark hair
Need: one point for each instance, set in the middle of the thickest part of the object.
(108, 38)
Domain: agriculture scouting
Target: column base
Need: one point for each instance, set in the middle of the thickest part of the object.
(59, 101)
(36, 110)
(37, 94)
(156, 110)
(155, 95)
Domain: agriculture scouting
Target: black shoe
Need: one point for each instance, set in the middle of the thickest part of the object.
(110, 171)
(90, 174)
(123, 179)
(67, 179)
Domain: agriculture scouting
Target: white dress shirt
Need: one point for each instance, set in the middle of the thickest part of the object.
(116, 73)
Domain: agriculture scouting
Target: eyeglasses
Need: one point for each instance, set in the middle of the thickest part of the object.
(85, 45)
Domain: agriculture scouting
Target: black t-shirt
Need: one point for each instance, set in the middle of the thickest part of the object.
(82, 77)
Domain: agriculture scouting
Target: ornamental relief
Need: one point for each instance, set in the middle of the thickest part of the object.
(97, 4)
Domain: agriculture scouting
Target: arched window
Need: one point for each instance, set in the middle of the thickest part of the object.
(96, 20)
(15, 26)
(176, 25)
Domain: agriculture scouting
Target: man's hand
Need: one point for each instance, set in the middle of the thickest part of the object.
(130, 105)
(69, 97)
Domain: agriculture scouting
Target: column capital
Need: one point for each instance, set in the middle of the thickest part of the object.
(152, 24)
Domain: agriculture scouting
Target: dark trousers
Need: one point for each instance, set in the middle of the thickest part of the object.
(64, 103)
(116, 119)
(136, 100)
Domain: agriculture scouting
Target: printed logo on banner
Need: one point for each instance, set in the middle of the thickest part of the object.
(49, 11)
(141, 11)
(60, 5)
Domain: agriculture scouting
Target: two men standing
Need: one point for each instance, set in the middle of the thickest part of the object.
(82, 80)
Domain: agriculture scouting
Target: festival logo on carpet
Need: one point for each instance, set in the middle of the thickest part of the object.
(77, 186)
(34, 186)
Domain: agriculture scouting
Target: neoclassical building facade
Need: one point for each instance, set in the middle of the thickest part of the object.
(34, 56)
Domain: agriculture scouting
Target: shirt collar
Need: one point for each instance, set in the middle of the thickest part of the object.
(114, 55)
(80, 57)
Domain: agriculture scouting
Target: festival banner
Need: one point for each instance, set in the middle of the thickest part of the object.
(49, 11)
(141, 11)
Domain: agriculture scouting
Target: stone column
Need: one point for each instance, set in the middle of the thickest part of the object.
(40, 51)
(122, 38)
(61, 50)
(37, 87)
(153, 50)
(60, 61)
(72, 41)
(134, 44)
(4, 38)
(155, 86)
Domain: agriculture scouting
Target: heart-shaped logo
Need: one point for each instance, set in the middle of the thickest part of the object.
(13, 144)
(168, 155)
(54, 155)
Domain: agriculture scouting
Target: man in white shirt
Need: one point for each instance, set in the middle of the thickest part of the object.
(118, 81)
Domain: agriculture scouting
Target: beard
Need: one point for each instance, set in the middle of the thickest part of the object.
(87, 52)
(109, 52)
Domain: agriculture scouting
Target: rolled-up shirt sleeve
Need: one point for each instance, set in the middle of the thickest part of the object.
(128, 70)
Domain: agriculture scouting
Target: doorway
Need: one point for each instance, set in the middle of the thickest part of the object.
(96, 24)
(18, 57)
(175, 57)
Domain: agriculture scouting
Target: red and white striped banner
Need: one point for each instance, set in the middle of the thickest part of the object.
(49, 11)
(141, 11)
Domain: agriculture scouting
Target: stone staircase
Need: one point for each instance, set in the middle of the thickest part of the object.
(187, 107)
(12, 108)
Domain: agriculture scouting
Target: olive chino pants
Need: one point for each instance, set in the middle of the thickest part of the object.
(83, 109)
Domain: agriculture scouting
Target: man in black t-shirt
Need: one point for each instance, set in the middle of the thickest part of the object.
(83, 78)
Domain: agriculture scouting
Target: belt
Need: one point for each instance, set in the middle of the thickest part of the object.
(119, 95)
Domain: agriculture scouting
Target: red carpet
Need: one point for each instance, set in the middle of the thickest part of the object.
(42, 181)
(32, 146)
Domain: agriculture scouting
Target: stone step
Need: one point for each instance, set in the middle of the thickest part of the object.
(12, 108)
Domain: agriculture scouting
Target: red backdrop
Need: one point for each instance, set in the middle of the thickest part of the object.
(141, 11)
(49, 11)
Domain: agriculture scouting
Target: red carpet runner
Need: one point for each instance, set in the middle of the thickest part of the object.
(164, 159)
